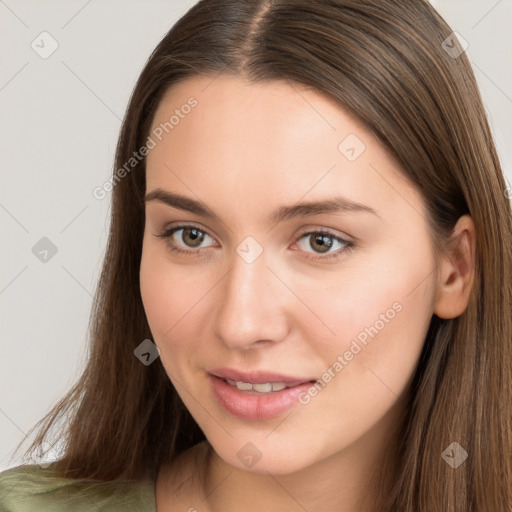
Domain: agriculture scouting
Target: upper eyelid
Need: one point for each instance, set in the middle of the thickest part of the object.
(344, 238)
(184, 226)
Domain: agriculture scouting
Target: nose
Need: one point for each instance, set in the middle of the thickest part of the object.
(252, 305)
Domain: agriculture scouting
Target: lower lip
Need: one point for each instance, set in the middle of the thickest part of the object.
(252, 406)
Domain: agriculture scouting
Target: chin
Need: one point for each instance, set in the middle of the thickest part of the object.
(264, 456)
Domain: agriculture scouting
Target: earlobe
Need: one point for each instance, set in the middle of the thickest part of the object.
(457, 272)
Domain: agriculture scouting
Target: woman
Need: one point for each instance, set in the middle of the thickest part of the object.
(306, 298)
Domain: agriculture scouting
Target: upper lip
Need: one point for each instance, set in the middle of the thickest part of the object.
(257, 376)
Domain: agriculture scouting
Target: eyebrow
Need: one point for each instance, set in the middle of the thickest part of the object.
(330, 205)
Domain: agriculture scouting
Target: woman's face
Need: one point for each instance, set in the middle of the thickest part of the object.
(256, 290)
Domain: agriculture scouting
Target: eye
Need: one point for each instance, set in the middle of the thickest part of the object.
(322, 242)
(190, 236)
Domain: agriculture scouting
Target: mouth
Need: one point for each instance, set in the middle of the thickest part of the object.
(262, 388)
(257, 400)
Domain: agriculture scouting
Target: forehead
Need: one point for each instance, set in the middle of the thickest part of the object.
(277, 138)
(268, 108)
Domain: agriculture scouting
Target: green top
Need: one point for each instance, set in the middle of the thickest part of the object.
(34, 488)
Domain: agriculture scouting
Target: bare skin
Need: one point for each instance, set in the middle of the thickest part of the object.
(244, 151)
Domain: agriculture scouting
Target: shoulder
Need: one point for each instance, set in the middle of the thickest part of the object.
(28, 488)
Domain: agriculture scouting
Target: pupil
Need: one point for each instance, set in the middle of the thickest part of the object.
(324, 242)
(194, 235)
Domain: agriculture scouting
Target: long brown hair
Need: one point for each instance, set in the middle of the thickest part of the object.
(388, 62)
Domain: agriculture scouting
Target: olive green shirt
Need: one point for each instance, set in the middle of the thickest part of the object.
(34, 488)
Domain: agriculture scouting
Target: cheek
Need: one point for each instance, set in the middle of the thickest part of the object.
(155, 295)
(172, 295)
(380, 320)
(165, 298)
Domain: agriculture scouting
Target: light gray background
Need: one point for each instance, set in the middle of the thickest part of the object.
(60, 119)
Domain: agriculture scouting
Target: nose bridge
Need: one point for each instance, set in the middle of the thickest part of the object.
(249, 308)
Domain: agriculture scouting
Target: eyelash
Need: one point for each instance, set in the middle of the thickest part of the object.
(347, 245)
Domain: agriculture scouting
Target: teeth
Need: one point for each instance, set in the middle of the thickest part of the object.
(266, 387)
(243, 386)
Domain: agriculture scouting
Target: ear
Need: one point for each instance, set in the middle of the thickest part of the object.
(457, 272)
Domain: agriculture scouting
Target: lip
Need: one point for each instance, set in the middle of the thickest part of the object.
(258, 377)
(252, 406)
